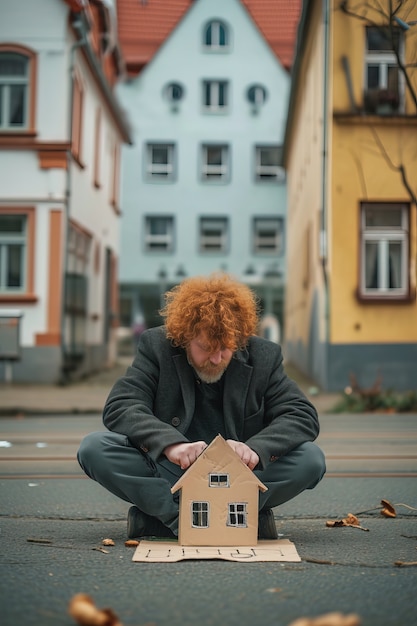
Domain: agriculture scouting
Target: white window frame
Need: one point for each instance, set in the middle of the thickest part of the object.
(382, 236)
(385, 59)
(211, 241)
(215, 172)
(219, 480)
(162, 172)
(215, 44)
(7, 241)
(200, 514)
(159, 242)
(273, 173)
(237, 514)
(268, 244)
(7, 83)
(212, 91)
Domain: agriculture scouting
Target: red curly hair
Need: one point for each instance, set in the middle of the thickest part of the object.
(218, 306)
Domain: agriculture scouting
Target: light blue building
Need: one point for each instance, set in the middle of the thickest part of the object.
(202, 186)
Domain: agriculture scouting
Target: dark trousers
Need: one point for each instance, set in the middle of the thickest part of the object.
(132, 475)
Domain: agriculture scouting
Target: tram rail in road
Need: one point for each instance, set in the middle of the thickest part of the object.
(355, 445)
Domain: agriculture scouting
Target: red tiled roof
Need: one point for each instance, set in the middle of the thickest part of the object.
(145, 24)
(278, 21)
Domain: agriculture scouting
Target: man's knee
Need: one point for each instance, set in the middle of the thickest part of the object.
(90, 448)
(312, 462)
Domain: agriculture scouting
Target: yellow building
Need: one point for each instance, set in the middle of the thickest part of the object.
(351, 153)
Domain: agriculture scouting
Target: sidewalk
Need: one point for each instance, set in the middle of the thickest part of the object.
(89, 395)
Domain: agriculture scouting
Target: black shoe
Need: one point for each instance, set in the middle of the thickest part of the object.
(140, 524)
(266, 525)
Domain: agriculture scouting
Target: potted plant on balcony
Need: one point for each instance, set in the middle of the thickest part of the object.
(381, 101)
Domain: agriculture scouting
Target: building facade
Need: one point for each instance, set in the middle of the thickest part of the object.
(203, 188)
(350, 154)
(61, 129)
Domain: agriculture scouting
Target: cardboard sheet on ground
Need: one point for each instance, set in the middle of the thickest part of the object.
(167, 551)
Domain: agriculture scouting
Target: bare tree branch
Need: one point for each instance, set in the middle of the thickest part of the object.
(387, 13)
(396, 168)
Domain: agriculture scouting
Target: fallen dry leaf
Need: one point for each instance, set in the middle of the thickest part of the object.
(329, 619)
(349, 520)
(108, 542)
(82, 608)
(388, 509)
(131, 543)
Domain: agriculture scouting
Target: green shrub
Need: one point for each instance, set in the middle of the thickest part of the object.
(383, 401)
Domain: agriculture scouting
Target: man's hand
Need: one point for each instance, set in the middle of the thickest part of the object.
(184, 454)
(248, 456)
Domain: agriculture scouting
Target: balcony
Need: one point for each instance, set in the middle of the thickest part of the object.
(381, 102)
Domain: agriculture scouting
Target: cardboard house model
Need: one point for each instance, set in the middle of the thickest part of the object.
(219, 499)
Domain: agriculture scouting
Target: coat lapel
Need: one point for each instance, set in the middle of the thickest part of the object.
(187, 382)
(236, 385)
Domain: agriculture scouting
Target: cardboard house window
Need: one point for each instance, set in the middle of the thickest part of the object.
(200, 514)
(219, 480)
(237, 515)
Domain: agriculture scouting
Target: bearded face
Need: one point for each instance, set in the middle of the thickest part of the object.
(209, 366)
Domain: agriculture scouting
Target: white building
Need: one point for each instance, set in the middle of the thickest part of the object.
(202, 188)
(61, 129)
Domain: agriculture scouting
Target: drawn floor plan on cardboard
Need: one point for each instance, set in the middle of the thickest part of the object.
(265, 550)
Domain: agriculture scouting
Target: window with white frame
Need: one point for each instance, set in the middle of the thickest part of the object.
(214, 234)
(237, 515)
(216, 36)
(219, 480)
(215, 162)
(384, 250)
(160, 161)
(14, 91)
(383, 79)
(13, 250)
(268, 235)
(215, 95)
(159, 233)
(199, 514)
(268, 164)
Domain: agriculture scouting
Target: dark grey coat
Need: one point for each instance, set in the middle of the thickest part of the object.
(153, 403)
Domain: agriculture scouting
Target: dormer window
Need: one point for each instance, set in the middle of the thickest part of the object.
(216, 36)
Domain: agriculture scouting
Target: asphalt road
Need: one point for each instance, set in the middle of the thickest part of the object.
(53, 519)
